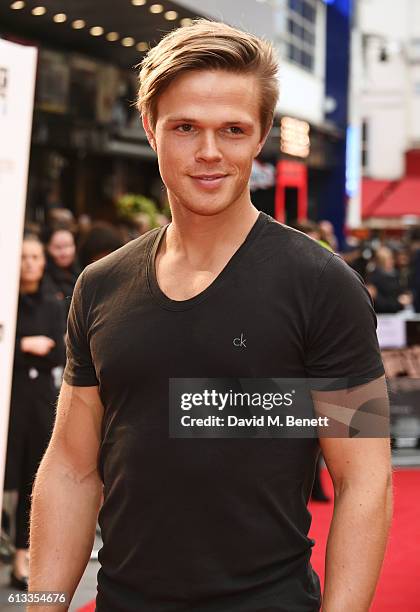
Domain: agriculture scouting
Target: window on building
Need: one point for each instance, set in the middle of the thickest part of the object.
(365, 144)
(299, 35)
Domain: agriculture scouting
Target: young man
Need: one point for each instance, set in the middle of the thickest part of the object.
(209, 525)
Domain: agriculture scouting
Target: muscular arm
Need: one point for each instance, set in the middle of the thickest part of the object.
(66, 496)
(361, 472)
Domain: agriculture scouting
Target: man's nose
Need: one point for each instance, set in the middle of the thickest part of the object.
(208, 149)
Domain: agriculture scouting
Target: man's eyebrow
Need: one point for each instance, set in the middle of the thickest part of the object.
(182, 119)
(224, 123)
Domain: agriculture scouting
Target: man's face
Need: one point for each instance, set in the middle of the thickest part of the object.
(207, 134)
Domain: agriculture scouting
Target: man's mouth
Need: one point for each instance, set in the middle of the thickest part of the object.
(208, 181)
(209, 177)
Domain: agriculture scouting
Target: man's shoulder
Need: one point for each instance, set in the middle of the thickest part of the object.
(292, 247)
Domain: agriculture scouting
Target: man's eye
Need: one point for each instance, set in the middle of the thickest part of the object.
(234, 129)
(185, 127)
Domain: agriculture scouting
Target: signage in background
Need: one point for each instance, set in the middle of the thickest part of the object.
(391, 331)
(53, 83)
(263, 175)
(294, 137)
(17, 83)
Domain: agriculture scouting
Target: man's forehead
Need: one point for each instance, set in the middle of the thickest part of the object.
(223, 91)
(223, 78)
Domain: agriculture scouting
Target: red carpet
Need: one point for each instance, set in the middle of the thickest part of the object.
(399, 585)
(90, 607)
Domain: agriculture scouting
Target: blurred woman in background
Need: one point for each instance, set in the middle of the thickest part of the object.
(62, 268)
(39, 348)
(383, 283)
(101, 240)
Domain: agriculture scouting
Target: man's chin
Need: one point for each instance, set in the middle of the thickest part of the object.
(205, 209)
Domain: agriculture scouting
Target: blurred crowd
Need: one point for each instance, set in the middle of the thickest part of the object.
(390, 267)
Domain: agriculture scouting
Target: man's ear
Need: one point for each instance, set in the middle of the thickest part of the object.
(258, 149)
(149, 132)
(262, 141)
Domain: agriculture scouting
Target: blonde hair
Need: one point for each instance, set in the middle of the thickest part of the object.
(208, 45)
(384, 256)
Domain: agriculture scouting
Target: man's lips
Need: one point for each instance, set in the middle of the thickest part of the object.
(208, 181)
(208, 177)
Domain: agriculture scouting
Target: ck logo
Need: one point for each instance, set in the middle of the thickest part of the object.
(240, 342)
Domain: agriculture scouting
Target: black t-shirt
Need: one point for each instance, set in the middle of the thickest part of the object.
(211, 525)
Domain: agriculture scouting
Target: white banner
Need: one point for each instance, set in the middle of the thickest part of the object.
(17, 84)
(391, 331)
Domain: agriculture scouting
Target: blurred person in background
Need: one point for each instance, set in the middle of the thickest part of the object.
(61, 217)
(33, 227)
(308, 227)
(100, 240)
(313, 230)
(353, 256)
(415, 267)
(39, 348)
(384, 285)
(402, 266)
(84, 223)
(62, 268)
(327, 234)
(358, 254)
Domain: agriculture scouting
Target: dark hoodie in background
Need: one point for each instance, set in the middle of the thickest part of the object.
(60, 282)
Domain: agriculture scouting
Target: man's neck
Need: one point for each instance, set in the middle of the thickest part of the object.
(202, 238)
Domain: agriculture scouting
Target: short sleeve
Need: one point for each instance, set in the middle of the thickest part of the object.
(341, 340)
(79, 370)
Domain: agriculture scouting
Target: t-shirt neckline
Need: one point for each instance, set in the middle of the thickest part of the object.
(170, 304)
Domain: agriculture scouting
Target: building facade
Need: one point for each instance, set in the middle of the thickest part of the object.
(88, 146)
(390, 107)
